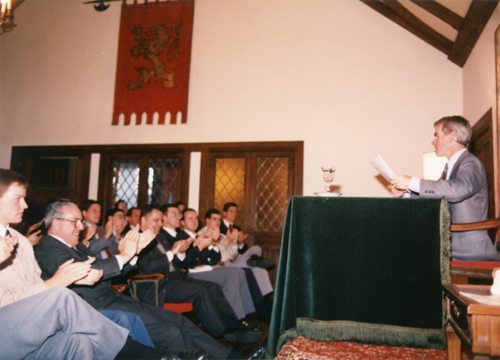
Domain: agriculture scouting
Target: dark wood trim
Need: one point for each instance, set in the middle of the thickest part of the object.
(441, 12)
(484, 126)
(139, 148)
(469, 28)
(496, 149)
(397, 13)
(38, 196)
(482, 145)
(475, 20)
(102, 190)
(205, 181)
(184, 180)
(107, 152)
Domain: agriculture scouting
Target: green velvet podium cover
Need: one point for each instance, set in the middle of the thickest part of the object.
(362, 269)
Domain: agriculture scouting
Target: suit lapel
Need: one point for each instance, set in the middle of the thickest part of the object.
(82, 252)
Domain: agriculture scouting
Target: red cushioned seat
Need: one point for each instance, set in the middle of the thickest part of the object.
(179, 308)
(490, 265)
(465, 271)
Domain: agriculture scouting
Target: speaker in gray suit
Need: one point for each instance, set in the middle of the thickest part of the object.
(463, 184)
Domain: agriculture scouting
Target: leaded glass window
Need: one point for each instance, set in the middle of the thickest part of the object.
(230, 184)
(271, 193)
(125, 181)
(163, 175)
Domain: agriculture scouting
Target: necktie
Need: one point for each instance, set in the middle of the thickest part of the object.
(80, 255)
(7, 233)
(445, 172)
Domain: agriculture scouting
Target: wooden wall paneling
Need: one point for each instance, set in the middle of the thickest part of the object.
(496, 153)
(482, 146)
(39, 195)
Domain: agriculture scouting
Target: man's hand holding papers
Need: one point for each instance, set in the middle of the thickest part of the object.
(399, 183)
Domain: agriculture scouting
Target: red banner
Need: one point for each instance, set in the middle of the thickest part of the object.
(154, 54)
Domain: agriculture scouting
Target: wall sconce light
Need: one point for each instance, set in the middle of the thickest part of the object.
(433, 165)
(6, 16)
(7, 8)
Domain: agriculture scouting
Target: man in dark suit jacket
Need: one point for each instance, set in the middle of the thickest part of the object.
(463, 184)
(168, 330)
(209, 304)
(44, 320)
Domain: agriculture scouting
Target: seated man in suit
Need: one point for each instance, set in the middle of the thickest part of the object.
(228, 246)
(133, 219)
(209, 302)
(232, 281)
(249, 256)
(463, 184)
(61, 325)
(168, 330)
(93, 235)
(116, 222)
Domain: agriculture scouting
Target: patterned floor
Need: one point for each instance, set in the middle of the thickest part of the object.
(307, 349)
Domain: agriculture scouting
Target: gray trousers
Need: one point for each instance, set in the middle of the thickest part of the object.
(235, 287)
(57, 324)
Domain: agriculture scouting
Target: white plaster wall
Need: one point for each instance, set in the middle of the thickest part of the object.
(479, 79)
(333, 73)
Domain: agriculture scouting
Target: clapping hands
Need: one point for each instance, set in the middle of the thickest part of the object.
(242, 237)
(203, 241)
(129, 245)
(70, 272)
(180, 246)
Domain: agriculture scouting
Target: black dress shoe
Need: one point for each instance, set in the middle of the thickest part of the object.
(247, 327)
(255, 354)
(186, 355)
(257, 261)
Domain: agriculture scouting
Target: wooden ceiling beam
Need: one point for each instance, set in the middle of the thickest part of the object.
(475, 20)
(397, 13)
(441, 12)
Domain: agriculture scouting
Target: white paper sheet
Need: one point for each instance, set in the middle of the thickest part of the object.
(483, 299)
(383, 168)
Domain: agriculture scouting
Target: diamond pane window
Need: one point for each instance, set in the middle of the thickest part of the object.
(271, 193)
(125, 181)
(163, 177)
(230, 184)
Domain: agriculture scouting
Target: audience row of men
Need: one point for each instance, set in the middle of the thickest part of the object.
(42, 319)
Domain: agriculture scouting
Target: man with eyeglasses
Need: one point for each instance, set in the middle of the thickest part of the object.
(168, 330)
(42, 319)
